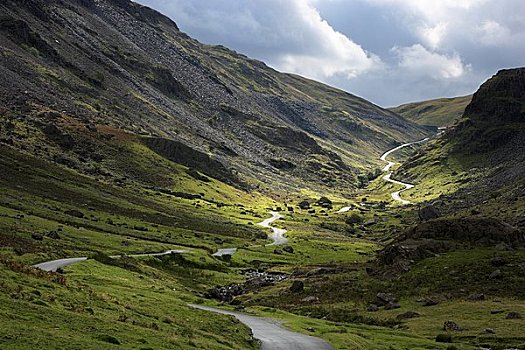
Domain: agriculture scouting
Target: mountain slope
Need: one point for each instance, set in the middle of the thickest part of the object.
(439, 112)
(120, 65)
(481, 160)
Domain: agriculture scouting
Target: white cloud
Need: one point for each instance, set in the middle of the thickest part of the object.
(417, 60)
(433, 35)
(325, 53)
(289, 35)
(421, 48)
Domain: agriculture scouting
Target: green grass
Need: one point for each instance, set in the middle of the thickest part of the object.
(440, 112)
(99, 305)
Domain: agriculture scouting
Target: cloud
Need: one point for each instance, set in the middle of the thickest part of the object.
(387, 51)
(417, 60)
(289, 35)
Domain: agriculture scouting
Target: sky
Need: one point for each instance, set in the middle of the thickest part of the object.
(387, 51)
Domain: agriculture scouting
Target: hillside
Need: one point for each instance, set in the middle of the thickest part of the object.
(439, 112)
(176, 174)
(481, 160)
(72, 68)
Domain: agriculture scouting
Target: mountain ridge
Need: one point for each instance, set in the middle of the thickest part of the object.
(130, 67)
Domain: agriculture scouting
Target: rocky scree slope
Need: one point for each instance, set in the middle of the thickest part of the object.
(74, 74)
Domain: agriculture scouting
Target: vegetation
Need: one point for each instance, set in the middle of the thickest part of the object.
(440, 112)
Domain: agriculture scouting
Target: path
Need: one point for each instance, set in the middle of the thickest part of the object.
(272, 334)
(396, 196)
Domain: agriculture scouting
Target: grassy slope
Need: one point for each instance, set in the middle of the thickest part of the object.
(440, 112)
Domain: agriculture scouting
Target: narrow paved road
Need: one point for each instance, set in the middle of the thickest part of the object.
(272, 334)
(277, 235)
(53, 266)
(396, 196)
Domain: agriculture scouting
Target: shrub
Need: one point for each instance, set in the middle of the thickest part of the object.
(444, 338)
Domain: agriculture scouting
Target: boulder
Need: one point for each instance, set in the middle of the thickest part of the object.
(392, 306)
(297, 287)
(384, 299)
(451, 326)
(498, 261)
(310, 299)
(304, 205)
(278, 252)
(408, 315)
(53, 235)
(513, 316)
(37, 236)
(261, 235)
(288, 249)
(372, 308)
(497, 274)
(430, 302)
(75, 213)
(476, 297)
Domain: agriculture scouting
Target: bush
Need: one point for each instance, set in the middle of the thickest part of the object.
(109, 339)
(444, 338)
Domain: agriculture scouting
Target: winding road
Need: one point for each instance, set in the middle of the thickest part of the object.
(272, 334)
(53, 266)
(277, 235)
(396, 196)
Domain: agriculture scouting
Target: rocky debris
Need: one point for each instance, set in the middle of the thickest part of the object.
(75, 213)
(255, 280)
(225, 293)
(408, 315)
(310, 299)
(288, 249)
(483, 231)
(451, 326)
(297, 287)
(428, 212)
(513, 316)
(497, 274)
(476, 297)
(443, 235)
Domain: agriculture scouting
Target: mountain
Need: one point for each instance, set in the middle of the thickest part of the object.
(439, 112)
(480, 162)
(82, 72)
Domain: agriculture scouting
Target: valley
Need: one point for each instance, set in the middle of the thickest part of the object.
(160, 193)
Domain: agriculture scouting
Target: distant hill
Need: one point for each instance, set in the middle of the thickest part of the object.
(439, 112)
